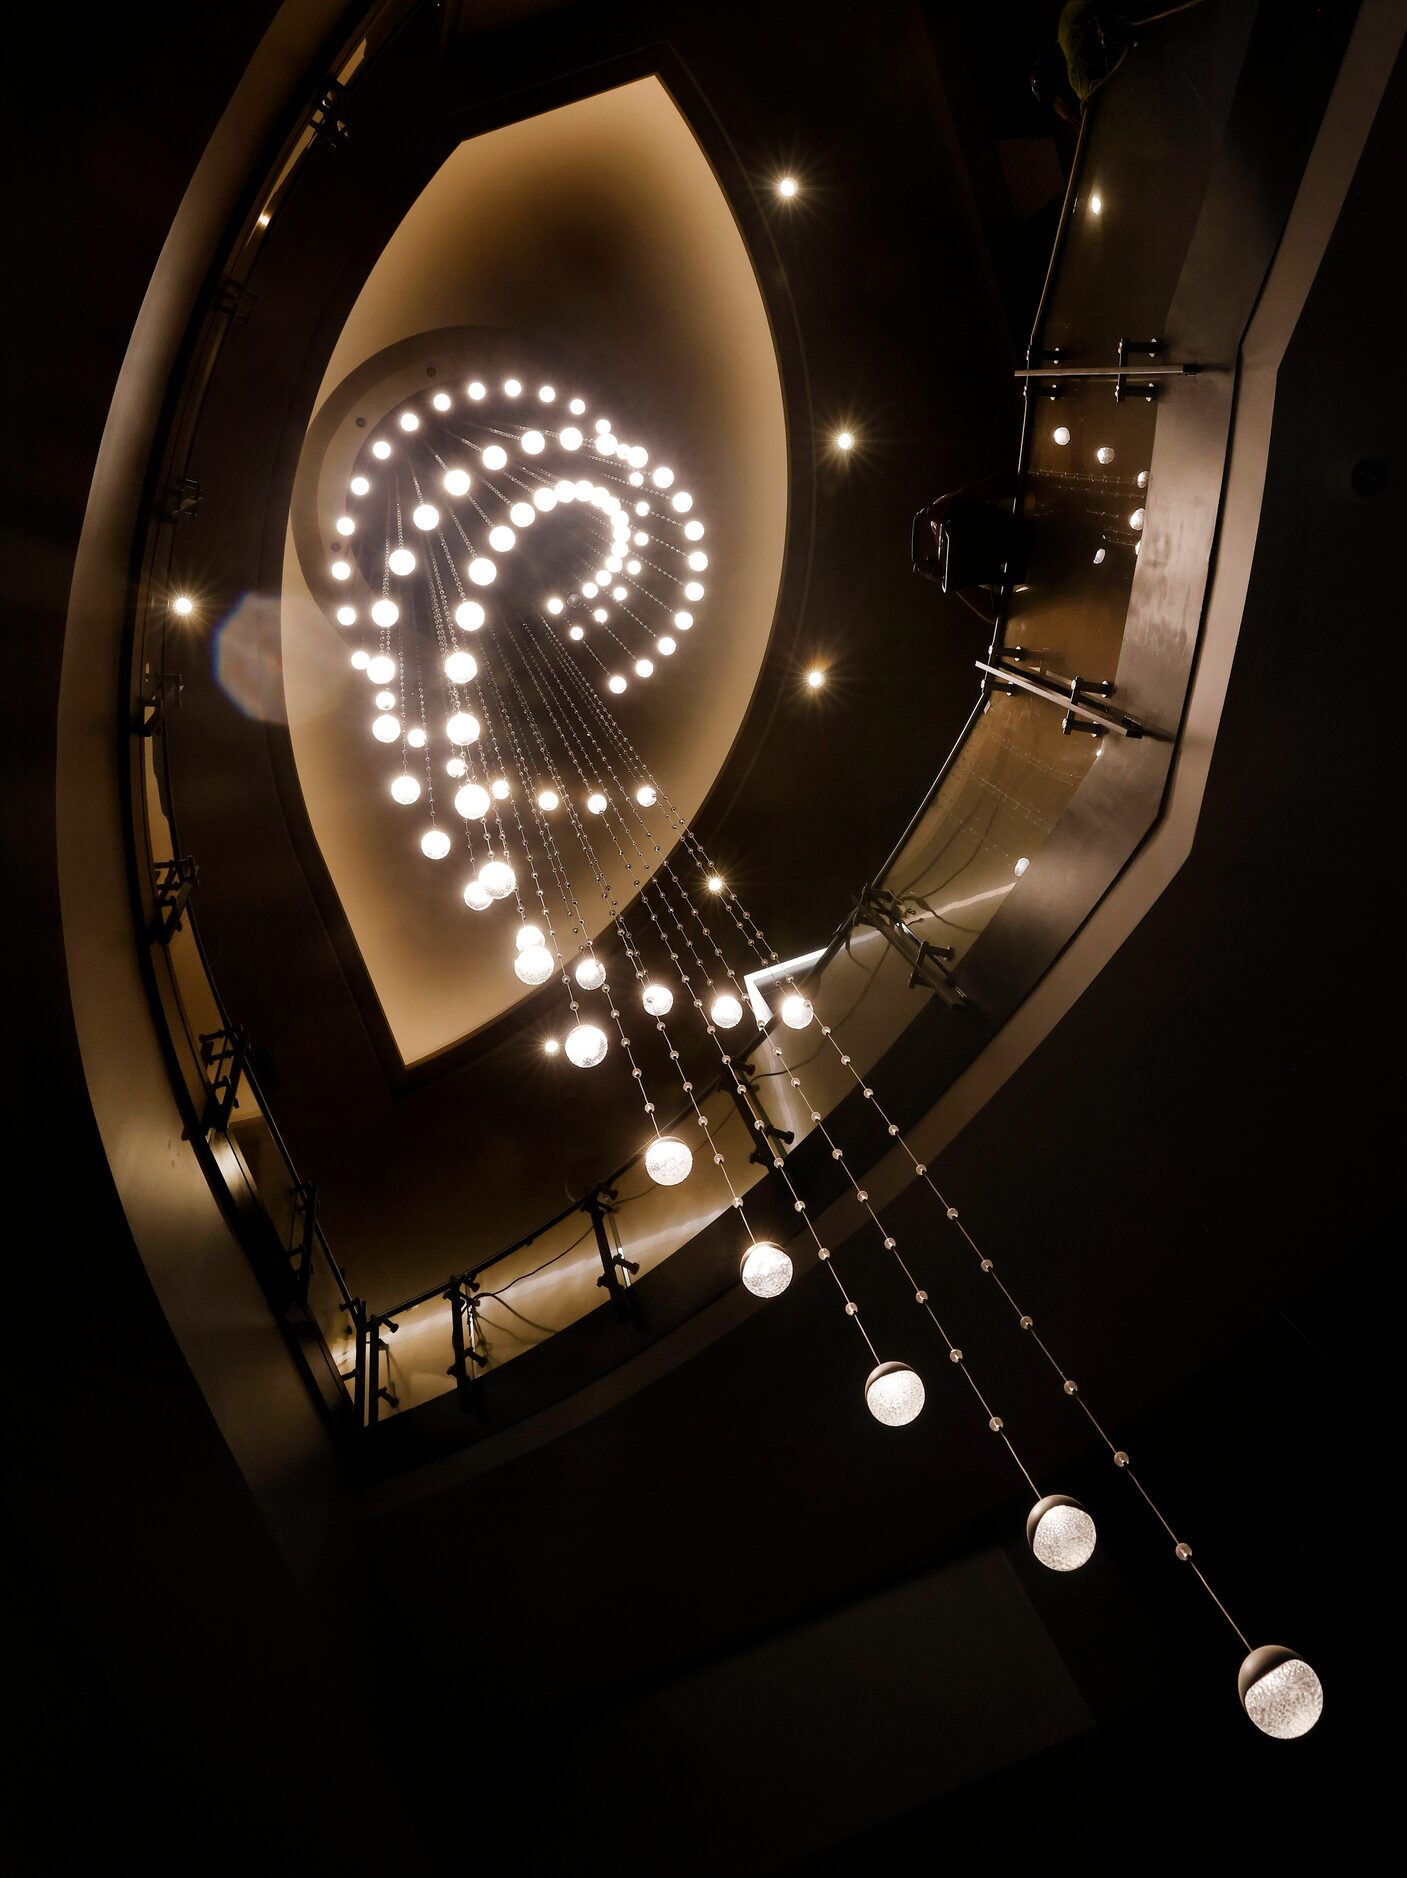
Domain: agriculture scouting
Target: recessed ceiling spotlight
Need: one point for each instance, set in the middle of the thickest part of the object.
(787, 187)
(183, 606)
(714, 883)
(551, 1047)
(845, 440)
(815, 678)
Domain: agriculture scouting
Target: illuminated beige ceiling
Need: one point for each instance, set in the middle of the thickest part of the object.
(595, 244)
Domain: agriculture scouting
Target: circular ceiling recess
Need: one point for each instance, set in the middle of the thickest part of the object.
(530, 563)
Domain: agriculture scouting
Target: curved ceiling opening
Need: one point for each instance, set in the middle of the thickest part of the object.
(591, 249)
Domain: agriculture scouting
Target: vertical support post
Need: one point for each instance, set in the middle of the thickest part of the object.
(359, 1373)
(616, 1269)
(373, 1392)
(459, 1367)
(305, 1200)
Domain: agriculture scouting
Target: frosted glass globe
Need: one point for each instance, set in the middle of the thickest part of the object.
(894, 1394)
(668, 1161)
(765, 1269)
(590, 974)
(482, 571)
(547, 800)
(497, 879)
(1104, 454)
(434, 844)
(570, 438)
(577, 407)
(522, 515)
(645, 796)
(456, 767)
(527, 936)
(589, 590)
(547, 393)
(461, 668)
(469, 616)
(644, 668)
(381, 670)
(665, 647)
(401, 561)
(501, 539)
(606, 444)
(596, 802)
(499, 790)
(534, 965)
(425, 516)
(1060, 1533)
(579, 633)
(477, 391)
(534, 442)
(495, 456)
(693, 531)
(600, 615)
(726, 1012)
(698, 560)
(346, 616)
(381, 450)
(683, 621)
(345, 525)
(471, 802)
(681, 503)
(360, 486)
(360, 660)
(796, 1011)
(555, 605)
(658, 1000)
(585, 1046)
(693, 590)
(1136, 519)
(463, 728)
(341, 570)
(476, 899)
(416, 738)
(409, 421)
(386, 728)
(456, 482)
(1061, 434)
(616, 683)
(441, 400)
(405, 789)
(544, 501)
(513, 387)
(385, 700)
(1280, 1692)
(662, 477)
(385, 613)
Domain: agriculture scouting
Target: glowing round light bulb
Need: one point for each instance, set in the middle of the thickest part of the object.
(845, 440)
(668, 1161)
(416, 738)
(551, 1047)
(385, 700)
(646, 796)
(477, 391)
(635, 479)
(600, 615)
(662, 477)
(577, 407)
(499, 790)
(693, 590)
(502, 538)
(796, 1011)
(359, 486)
(1104, 454)
(456, 766)
(409, 421)
(765, 1269)
(1143, 479)
(476, 899)
(522, 515)
(894, 1394)
(698, 560)
(590, 973)
(401, 561)
(513, 387)
(579, 633)
(632, 567)
(533, 442)
(472, 802)
(547, 800)
(381, 450)
(463, 728)
(534, 965)
(441, 400)
(665, 647)
(725, 1011)
(1061, 434)
(547, 394)
(681, 502)
(544, 501)
(482, 571)
(385, 728)
(639, 456)
(345, 525)
(815, 678)
(787, 186)
(405, 790)
(497, 879)
(1280, 1692)
(457, 482)
(619, 593)
(585, 1046)
(571, 438)
(495, 457)
(658, 1000)
(382, 669)
(603, 424)
(434, 844)
(385, 613)
(640, 538)
(616, 683)
(1136, 519)
(425, 516)
(714, 883)
(346, 616)
(596, 802)
(461, 668)
(693, 531)
(1060, 1533)
(683, 621)
(340, 570)
(1099, 555)
(644, 668)
(1096, 205)
(1021, 866)
(469, 616)
(606, 444)
(555, 605)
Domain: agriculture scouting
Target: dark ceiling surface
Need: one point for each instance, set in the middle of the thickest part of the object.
(886, 317)
(1203, 1154)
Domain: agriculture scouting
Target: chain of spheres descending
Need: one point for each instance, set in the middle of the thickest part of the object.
(511, 596)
